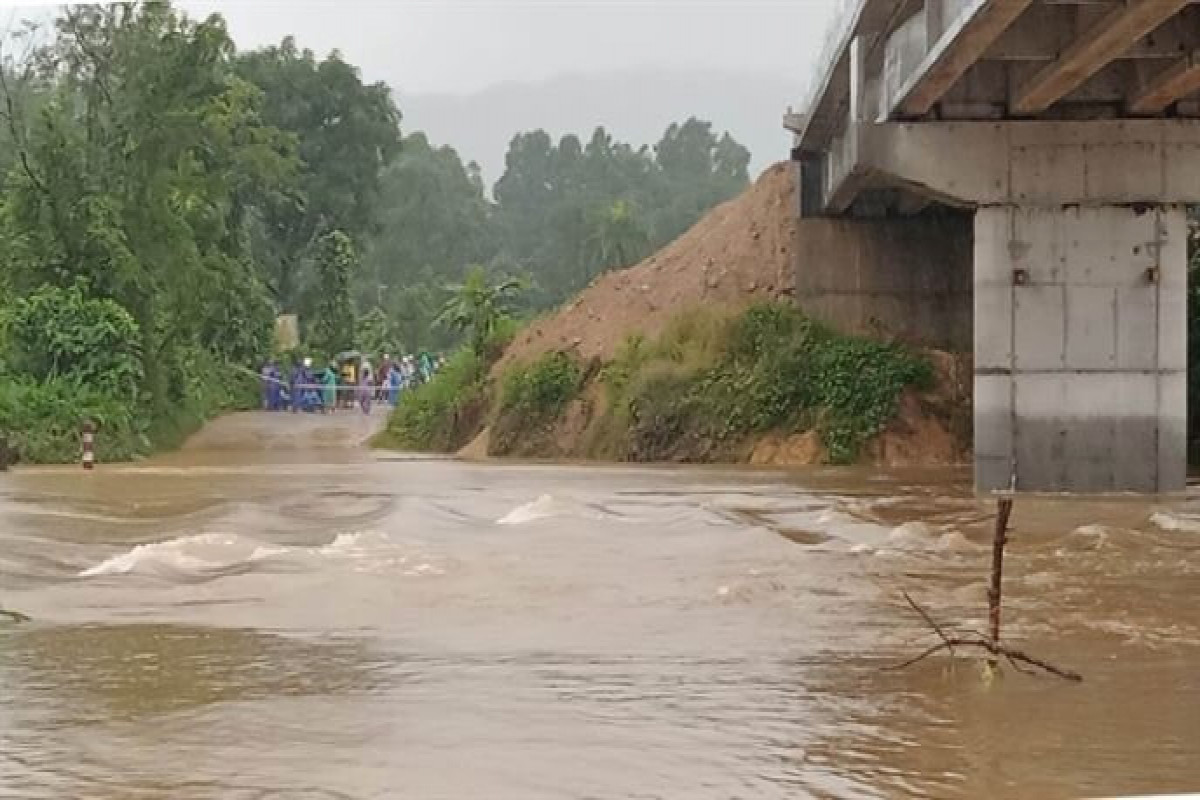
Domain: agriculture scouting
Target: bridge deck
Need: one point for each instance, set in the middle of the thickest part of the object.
(1003, 59)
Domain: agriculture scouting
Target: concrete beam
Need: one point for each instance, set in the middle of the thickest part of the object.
(1046, 31)
(957, 50)
(1176, 81)
(1103, 42)
(795, 122)
(1037, 163)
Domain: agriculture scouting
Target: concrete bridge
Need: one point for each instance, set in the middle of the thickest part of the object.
(1057, 143)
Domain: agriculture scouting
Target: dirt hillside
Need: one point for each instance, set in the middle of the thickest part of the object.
(738, 253)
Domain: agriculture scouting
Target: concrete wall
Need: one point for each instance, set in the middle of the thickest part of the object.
(1081, 358)
(907, 278)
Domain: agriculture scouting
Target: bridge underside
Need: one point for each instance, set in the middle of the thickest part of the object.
(1071, 131)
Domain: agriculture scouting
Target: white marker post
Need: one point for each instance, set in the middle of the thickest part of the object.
(89, 441)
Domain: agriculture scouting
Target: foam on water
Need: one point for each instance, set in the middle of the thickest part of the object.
(196, 554)
(205, 556)
(547, 506)
(1168, 521)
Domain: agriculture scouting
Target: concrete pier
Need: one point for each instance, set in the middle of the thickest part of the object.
(1080, 348)
(1072, 132)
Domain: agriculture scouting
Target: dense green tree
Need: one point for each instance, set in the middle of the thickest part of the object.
(136, 174)
(346, 132)
(434, 219)
(62, 333)
(331, 327)
(698, 170)
(566, 211)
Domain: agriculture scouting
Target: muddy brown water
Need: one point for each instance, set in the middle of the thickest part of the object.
(275, 612)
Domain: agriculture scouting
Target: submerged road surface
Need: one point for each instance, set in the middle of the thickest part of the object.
(274, 612)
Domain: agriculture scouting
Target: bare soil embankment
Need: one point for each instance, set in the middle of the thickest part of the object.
(739, 254)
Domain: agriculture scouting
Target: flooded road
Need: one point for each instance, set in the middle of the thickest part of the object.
(275, 612)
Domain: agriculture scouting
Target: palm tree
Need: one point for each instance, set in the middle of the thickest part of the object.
(477, 306)
(617, 239)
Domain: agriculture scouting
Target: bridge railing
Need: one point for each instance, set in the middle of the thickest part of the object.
(839, 30)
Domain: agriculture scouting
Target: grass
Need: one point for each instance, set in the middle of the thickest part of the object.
(443, 414)
(427, 418)
(701, 391)
(42, 419)
(708, 383)
(531, 396)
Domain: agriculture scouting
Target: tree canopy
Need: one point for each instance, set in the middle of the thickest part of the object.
(345, 133)
(163, 197)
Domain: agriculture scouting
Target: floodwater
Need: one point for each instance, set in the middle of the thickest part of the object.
(275, 612)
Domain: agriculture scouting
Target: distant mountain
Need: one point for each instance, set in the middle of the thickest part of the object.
(635, 105)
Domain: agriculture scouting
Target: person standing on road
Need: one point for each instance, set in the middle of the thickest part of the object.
(349, 383)
(393, 386)
(329, 387)
(366, 387)
(268, 386)
(381, 379)
(294, 383)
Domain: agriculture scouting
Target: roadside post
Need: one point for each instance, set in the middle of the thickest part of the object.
(88, 437)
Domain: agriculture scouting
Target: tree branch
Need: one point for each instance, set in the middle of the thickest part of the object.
(11, 116)
(929, 621)
(982, 643)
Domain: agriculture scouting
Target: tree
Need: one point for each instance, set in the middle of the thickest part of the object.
(135, 177)
(332, 327)
(55, 333)
(565, 211)
(618, 238)
(433, 219)
(377, 333)
(477, 306)
(345, 131)
(698, 171)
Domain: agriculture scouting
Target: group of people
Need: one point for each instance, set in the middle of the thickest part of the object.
(351, 382)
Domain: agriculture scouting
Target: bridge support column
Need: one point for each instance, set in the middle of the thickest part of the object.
(1080, 348)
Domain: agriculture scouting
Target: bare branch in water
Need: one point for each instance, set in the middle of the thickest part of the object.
(991, 642)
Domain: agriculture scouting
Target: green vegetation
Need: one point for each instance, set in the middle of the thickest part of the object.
(563, 213)
(532, 396)
(703, 390)
(163, 197)
(344, 133)
(709, 382)
(445, 413)
(441, 415)
(477, 308)
(331, 329)
(376, 332)
(128, 279)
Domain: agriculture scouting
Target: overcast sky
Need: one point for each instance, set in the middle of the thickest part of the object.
(461, 46)
(424, 46)
(752, 56)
